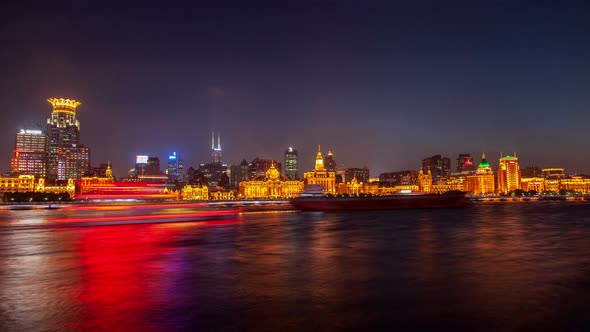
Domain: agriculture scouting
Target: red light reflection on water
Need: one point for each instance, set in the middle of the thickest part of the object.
(123, 269)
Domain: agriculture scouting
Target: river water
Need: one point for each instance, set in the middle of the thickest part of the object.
(489, 267)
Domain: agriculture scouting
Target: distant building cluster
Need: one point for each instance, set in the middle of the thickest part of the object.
(54, 161)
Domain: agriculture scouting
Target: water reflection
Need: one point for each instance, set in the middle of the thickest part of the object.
(489, 267)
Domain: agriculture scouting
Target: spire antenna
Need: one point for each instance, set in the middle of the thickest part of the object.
(218, 141)
(212, 139)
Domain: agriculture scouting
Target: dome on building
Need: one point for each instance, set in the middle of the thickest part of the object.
(484, 162)
(273, 174)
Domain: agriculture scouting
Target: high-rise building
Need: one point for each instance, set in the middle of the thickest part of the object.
(483, 182)
(63, 142)
(73, 162)
(153, 166)
(439, 167)
(330, 163)
(239, 173)
(291, 168)
(321, 176)
(175, 170)
(508, 174)
(465, 163)
(215, 151)
(141, 162)
(258, 167)
(393, 179)
(29, 156)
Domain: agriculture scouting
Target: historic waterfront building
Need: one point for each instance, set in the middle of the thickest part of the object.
(270, 186)
(424, 181)
(320, 175)
(66, 158)
(291, 166)
(195, 192)
(20, 183)
(483, 182)
(508, 174)
(29, 157)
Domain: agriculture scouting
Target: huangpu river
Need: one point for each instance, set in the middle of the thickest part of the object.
(516, 266)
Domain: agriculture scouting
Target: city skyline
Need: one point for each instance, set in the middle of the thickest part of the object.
(216, 152)
(385, 85)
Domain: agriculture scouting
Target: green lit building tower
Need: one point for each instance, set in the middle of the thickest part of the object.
(291, 168)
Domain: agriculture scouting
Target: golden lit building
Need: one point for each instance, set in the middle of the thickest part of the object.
(482, 183)
(321, 176)
(508, 174)
(195, 193)
(575, 183)
(354, 187)
(20, 183)
(535, 183)
(69, 188)
(218, 194)
(424, 181)
(270, 187)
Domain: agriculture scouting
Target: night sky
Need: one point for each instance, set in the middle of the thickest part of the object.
(383, 84)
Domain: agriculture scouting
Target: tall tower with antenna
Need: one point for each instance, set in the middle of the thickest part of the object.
(215, 150)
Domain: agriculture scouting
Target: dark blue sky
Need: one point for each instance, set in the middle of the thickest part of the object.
(384, 84)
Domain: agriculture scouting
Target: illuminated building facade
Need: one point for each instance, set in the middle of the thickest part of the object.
(195, 193)
(19, 183)
(355, 187)
(553, 173)
(29, 157)
(508, 174)
(73, 162)
(320, 175)
(63, 142)
(424, 182)
(291, 164)
(483, 182)
(438, 166)
(532, 183)
(271, 186)
(175, 169)
(465, 163)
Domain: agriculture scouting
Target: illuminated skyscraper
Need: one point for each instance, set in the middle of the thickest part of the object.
(508, 174)
(29, 156)
(141, 165)
(291, 168)
(66, 158)
(215, 151)
(175, 170)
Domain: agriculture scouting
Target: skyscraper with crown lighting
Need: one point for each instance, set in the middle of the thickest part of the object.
(66, 157)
